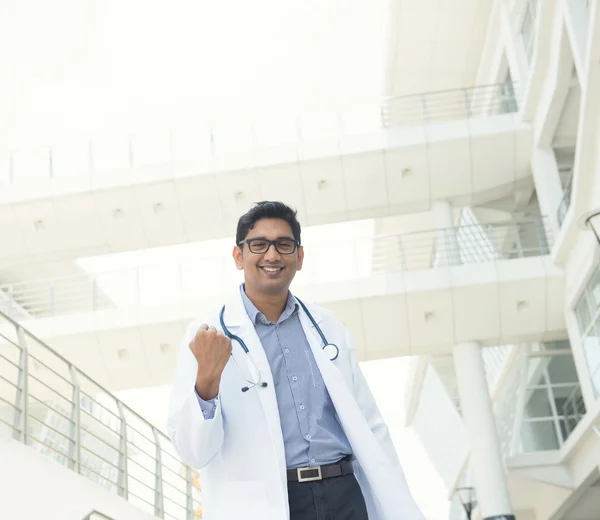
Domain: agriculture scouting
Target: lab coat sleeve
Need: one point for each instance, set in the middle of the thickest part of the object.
(196, 439)
(368, 406)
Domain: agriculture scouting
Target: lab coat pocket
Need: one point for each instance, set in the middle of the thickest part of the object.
(247, 500)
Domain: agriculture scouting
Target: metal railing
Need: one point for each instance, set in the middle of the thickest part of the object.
(209, 143)
(50, 405)
(449, 105)
(565, 202)
(141, 286)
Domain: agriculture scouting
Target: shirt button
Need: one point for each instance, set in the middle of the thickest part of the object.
(307, 436)
(312, 461)
(294, 379)
(301, 407)
(287, 350)
(204, 412)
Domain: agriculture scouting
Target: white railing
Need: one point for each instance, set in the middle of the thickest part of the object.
(449, 105)
(209, 143)
(178, 282)
(50, 405)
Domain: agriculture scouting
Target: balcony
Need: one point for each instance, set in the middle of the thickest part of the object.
(489, 283)
(57, 410)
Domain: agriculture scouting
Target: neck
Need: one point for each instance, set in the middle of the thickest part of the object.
(271, 305)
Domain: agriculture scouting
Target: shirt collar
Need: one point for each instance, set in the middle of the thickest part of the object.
(254, 314)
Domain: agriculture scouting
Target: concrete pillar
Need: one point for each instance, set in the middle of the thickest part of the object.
(486, 458)
(446, 241)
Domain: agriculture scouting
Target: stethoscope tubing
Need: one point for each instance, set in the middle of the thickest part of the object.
(244, 347)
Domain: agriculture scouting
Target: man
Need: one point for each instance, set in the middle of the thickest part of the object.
(280, 427)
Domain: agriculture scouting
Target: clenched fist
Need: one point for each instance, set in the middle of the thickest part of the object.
(212, 350)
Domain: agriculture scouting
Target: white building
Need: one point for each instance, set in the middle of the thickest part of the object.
(459, 205)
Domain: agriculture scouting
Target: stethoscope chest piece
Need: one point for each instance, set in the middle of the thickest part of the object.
(331, 351)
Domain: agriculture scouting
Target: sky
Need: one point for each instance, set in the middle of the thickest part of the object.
(75, 70)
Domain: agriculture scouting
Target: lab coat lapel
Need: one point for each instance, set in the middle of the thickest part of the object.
(237, 321)
(331, 375)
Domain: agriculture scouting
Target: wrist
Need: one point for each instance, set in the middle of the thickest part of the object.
(207, 389)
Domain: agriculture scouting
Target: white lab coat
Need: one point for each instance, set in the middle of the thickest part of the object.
(240, 452)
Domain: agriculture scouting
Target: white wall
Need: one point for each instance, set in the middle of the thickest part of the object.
(34, 487)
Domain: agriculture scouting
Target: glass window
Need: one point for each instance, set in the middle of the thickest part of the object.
(538, 404)
(539, 436)
(594, 292)
(583, 314)
(591, 347)
(561, 369)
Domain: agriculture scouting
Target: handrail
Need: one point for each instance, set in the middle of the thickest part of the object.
(367, 256)
(42, 406)
(449, 105)
(204, 141)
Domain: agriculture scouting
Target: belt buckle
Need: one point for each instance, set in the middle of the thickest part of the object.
(309, 479)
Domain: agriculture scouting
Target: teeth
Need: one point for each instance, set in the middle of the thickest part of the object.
(271, 269)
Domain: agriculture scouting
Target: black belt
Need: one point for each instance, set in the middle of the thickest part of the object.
(338, 469)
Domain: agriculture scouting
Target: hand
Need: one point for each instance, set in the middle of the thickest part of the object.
(211, 350)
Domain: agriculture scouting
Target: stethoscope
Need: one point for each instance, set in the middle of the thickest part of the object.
(330, 348)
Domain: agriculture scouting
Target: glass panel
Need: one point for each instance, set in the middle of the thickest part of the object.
(539, 436)
(538, 404)
(596, 382)
(536, 375)
(594, 291)
(582, 312)
(556, 345)
(562, 370)
(591, 347)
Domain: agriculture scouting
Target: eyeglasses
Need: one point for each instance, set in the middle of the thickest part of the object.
(259, 246)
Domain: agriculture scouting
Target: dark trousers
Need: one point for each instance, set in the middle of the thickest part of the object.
(337, 498)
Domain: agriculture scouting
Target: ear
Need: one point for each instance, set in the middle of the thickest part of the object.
(238, 257)
(300, 258)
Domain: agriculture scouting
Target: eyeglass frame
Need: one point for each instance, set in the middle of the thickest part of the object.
(273, 243)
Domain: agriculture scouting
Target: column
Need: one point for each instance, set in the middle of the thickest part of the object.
(486, 458)
(446, 241)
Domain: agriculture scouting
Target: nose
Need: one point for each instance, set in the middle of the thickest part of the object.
(272, 254)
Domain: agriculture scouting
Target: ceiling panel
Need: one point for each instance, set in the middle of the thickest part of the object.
(160, 213)
(435, 45)
(323, 186)
(118, 213)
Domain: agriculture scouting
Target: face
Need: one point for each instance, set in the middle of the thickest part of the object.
(270, 272)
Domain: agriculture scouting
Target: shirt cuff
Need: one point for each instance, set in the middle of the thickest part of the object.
(208, 407)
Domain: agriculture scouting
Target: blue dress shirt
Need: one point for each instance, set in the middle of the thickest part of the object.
(312, 434)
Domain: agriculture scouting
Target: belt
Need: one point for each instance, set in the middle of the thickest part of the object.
(338, 469)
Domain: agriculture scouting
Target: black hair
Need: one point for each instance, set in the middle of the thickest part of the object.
(267, 209)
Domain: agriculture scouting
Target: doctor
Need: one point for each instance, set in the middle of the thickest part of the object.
(280, 427)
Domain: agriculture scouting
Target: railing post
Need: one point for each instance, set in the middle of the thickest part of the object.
(467, 103)
(11, 167)
(123, 456)
(76, 425)
(188, 494)
(22, 397)
(424, 108)
(159, 505)
(130, 146)
(50, 163)
(94, 290)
